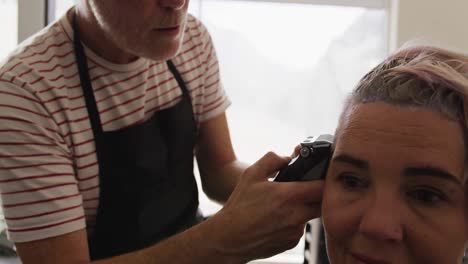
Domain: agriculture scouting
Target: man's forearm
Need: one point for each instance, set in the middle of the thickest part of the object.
(196, 245)
(218, 184)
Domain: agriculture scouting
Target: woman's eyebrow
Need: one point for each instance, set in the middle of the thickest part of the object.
(432, 172)
(410, 171)
(346, 158)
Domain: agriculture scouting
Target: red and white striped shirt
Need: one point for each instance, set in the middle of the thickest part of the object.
(49, 180)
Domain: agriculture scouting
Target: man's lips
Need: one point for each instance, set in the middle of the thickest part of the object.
(168, 28)
(171, 31)
(368, 260)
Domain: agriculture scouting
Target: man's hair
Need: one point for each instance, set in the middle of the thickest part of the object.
(418, 77)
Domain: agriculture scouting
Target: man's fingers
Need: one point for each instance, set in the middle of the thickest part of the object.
(296, 151)
(305, 213)
(268, 165)
(304, 191)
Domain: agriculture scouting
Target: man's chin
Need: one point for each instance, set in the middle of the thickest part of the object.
(160, 53)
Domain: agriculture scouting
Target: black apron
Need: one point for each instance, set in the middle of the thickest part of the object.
(147, 188)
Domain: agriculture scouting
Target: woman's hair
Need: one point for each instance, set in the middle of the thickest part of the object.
(418, 77)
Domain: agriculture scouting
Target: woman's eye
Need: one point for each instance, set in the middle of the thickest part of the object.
(351, 182)
(428, 196)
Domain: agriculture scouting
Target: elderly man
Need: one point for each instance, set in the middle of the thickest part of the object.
(101, 115)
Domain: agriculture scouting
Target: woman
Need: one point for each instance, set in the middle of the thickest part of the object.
(394, 191)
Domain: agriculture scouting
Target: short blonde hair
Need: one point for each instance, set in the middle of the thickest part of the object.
(418, 76)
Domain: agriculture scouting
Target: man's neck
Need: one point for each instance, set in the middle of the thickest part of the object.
(95, 38)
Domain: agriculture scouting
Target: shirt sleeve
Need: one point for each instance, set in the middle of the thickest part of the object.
(215, 100)
(38, 188)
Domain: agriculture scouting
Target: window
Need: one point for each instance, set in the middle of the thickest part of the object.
(61, 6)
(9, 30)
(8, 26)
(287, 65)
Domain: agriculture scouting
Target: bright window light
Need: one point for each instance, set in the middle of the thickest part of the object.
(287, 68)
(61, 6)
(8, 26)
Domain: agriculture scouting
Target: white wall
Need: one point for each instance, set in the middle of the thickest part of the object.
(31, 17)
(439, 22)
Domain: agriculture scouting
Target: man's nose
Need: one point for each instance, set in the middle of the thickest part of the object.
(174, 4)
(381, 220)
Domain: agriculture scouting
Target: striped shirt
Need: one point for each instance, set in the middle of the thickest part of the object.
(49, 176)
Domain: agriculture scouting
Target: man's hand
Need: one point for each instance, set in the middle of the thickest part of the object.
(263, 218)
(296, 151)
(260, 219)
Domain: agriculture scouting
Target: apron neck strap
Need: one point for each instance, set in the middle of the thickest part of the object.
(87, 87)
(179, 80)
(85, 80)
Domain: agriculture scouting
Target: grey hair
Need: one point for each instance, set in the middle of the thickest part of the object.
(418, 77)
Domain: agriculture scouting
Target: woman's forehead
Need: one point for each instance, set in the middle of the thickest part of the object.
(376, 131)
(396, 122)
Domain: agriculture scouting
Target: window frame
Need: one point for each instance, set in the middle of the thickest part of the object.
(349, 3)
(34, 21)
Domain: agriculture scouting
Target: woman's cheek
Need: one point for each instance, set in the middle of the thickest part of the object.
(340, 224)
(340, 212)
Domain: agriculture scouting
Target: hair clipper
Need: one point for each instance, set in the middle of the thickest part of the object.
(312, 161)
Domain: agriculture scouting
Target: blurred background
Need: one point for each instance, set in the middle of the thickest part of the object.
(286, 65)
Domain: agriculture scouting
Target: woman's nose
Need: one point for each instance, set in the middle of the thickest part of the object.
(174, 4)
(382, 220)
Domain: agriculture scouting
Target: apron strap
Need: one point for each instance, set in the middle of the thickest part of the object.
(179, 80)
(88, 93)
(85, 81)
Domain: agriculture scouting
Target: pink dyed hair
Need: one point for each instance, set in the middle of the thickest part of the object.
(419, 76)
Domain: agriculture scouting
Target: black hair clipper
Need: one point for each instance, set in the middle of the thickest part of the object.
(312, 161)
